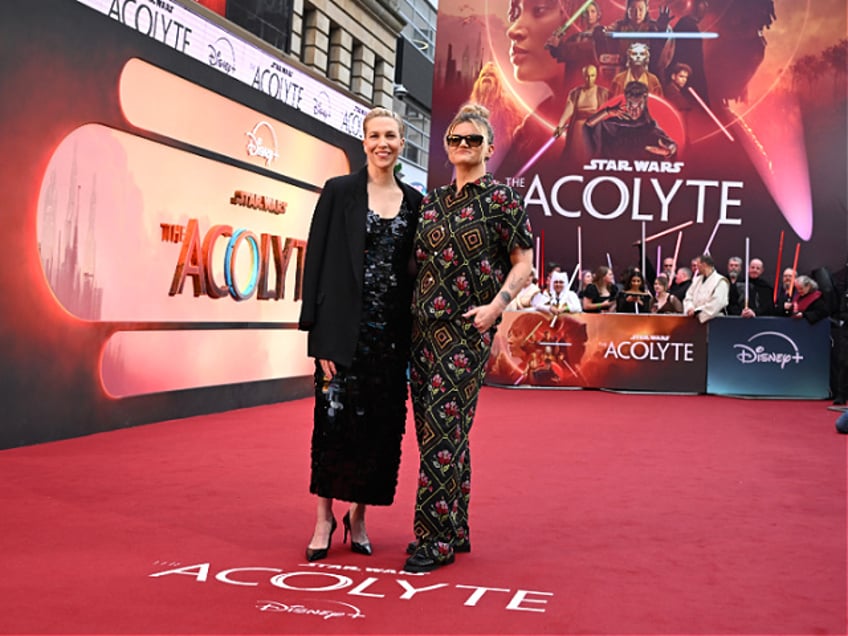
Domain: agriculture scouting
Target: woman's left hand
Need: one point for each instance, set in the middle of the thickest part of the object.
(483, 317)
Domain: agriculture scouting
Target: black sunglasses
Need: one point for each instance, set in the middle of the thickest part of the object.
(473, 141)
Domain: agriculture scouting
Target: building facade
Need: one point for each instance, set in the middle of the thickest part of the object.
(377, 51)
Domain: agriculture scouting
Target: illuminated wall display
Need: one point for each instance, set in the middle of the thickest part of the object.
(162, 214)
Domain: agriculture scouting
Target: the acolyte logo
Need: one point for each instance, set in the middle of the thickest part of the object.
(264, 147)
(197, 255)
(222, 55)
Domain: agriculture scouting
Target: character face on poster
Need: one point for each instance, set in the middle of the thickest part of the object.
(711, 124)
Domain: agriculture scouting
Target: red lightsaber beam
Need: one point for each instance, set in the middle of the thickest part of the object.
(650, 238)
(777, 267)
(794, 269)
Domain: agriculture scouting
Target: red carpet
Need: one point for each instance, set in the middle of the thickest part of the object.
(593, 513)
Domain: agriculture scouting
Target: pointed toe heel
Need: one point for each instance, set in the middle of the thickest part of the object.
(359, 548)
(316, 554)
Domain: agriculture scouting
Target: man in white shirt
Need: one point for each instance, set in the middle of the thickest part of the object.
(707, 297)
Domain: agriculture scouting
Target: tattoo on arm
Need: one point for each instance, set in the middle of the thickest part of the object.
(505, 297)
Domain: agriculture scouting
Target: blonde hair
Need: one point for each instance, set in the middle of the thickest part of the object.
(477, 115)
(382, 112)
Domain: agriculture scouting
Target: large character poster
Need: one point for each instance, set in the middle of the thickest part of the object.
(695, 125)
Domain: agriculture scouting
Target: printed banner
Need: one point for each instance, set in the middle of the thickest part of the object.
(617, 351)
(779, 357)
(698, 126)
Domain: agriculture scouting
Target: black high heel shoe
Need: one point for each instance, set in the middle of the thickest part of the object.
(359, 548)
(316, 554)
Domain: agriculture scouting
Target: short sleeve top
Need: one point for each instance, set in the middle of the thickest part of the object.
(462, 246)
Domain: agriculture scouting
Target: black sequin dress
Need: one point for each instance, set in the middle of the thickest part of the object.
(360, 416)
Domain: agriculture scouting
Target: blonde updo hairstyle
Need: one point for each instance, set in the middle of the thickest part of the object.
(478, 116)
(382, 112)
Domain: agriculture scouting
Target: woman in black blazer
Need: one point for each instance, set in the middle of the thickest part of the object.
(357, 287)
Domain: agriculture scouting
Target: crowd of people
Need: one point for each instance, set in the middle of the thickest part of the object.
(703, 292)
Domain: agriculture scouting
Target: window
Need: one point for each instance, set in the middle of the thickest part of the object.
(417, 123)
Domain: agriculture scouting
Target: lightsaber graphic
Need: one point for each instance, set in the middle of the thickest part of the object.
(794, 269)
(535, 157)
(677, 249)
(560, 31)
(712, 236)
(538, 256)
(709, 112)
(650, 238)
(580, 254)
(747, 262)
(777, 267)
(661, 35)
(573, 276)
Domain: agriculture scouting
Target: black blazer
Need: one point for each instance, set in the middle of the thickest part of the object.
(335, 259)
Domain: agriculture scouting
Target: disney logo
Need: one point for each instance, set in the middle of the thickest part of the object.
(218, 51)
(256, 146)
(326, 614)
(758, 354)
(321, 106)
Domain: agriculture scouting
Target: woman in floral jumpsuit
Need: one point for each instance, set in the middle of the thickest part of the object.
(473, 250)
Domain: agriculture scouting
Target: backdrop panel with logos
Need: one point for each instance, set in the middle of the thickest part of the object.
(159, 182)
(764, 357)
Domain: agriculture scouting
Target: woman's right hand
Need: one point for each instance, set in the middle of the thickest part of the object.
(328, 367)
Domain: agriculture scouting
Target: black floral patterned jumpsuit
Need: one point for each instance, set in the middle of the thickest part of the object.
(462, 246)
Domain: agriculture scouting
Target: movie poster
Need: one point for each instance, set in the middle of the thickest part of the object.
(697, 126)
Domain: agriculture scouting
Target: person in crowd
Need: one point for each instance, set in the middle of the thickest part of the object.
(557, 299)
(707, 297)
(807, 302)
(760, 297)
(585, 281)
(357, 286)
(600, 296)
(734, 269)
(787, 286)
(582, 102)
(668, 268)
(839, 336)
(665, 302)
(634, 297)
(682, 281)
(473, 248)
(524, 299)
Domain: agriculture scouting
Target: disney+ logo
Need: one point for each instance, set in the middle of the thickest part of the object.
(783, 350)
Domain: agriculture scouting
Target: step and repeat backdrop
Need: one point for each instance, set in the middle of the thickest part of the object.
(159, 180)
